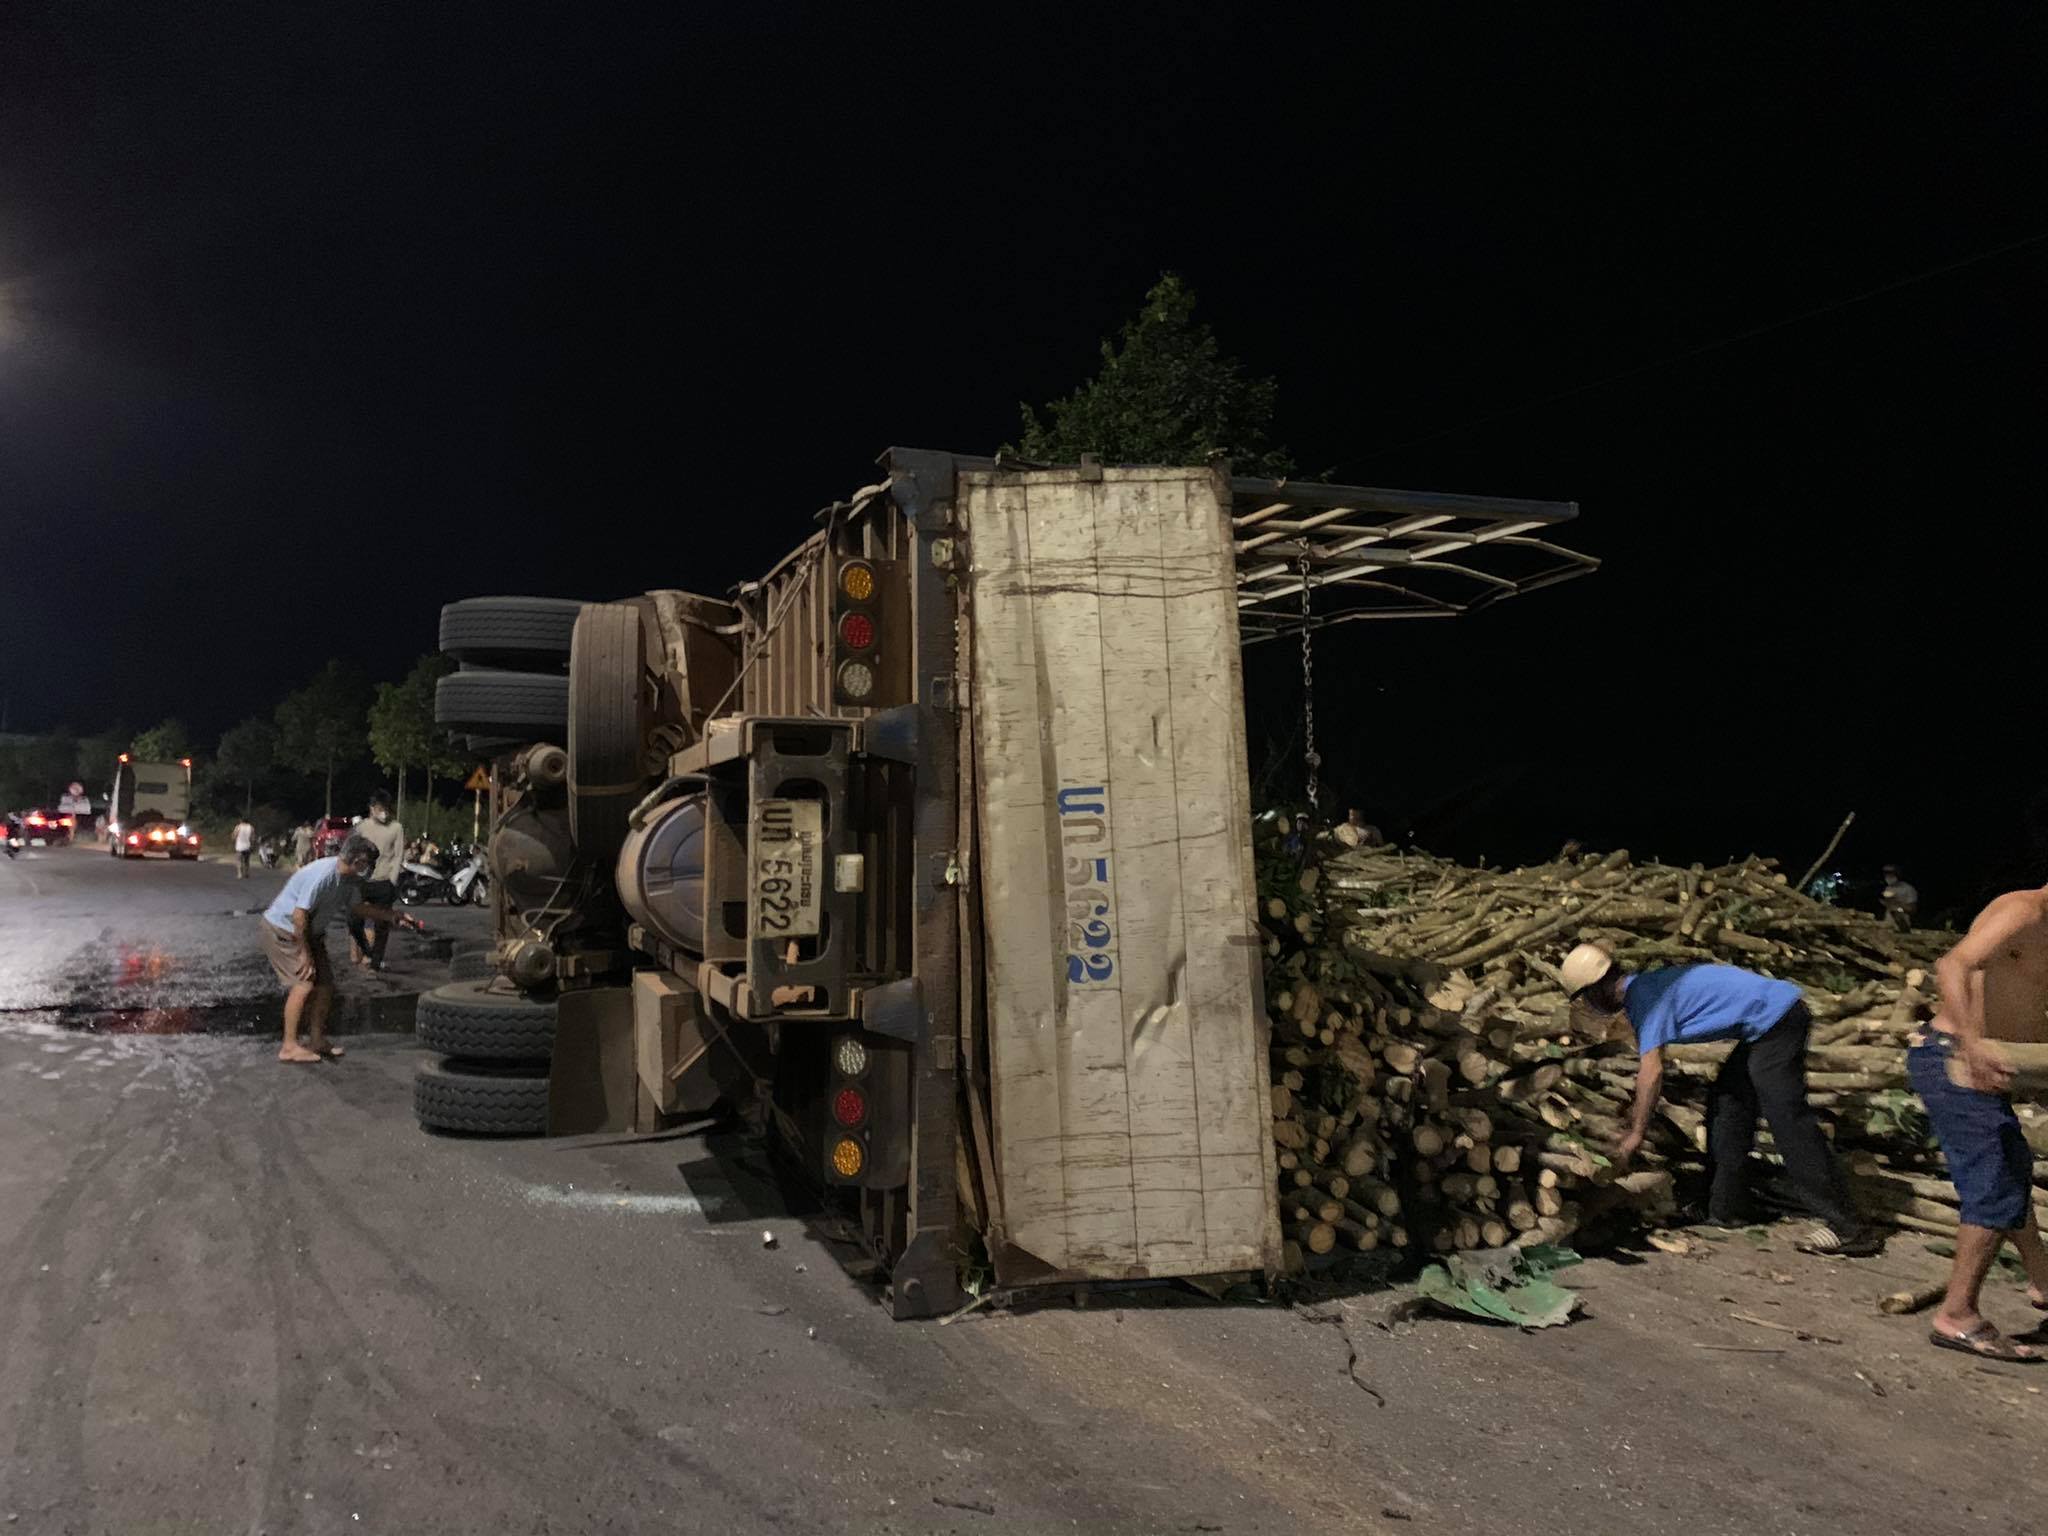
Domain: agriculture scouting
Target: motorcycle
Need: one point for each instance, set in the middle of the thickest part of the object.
(461, 877)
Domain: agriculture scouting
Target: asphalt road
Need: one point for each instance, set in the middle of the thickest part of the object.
(237, 1296)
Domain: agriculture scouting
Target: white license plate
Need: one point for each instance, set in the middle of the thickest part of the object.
(789, 855)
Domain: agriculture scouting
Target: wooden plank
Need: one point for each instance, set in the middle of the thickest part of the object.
(1095, 1126)
(1219, 888)
(1137, 582)
(1017, 892)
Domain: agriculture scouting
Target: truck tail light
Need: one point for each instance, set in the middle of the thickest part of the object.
(870, 633)
(857, 632)
(857, 580)
(866, 1110)
(856, 682)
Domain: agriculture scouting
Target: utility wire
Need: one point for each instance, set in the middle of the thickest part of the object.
(1723, 343)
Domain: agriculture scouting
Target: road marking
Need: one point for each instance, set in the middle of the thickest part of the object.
(589, 1200)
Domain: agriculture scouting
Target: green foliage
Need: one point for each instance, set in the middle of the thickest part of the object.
(1165, 394)
(246, 753)
(165, 742)
(321, 726)
(96, 756)
(34, 771)
(402, 730)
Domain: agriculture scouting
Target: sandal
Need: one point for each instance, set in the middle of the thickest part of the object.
(1825, 1241)
(1986, 1343)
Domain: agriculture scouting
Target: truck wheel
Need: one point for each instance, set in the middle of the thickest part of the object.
(607, 724)
(481, 1020)
(499, 703)
(481, 1098)
(472, 965)
(529, 632)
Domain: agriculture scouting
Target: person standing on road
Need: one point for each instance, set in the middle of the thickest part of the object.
(302, 844)
(295, 941)
(387, 835)
(1766, 1073)
(1994, 986)
(245, 843)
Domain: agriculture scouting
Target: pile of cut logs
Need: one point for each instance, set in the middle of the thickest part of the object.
(1433, 1089)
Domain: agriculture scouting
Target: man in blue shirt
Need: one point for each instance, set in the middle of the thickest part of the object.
(295, 926)
(1765, 1073)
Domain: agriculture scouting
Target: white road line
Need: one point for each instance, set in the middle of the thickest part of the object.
(590, 1200)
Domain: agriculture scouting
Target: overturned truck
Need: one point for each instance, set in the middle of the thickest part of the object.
(931, 850)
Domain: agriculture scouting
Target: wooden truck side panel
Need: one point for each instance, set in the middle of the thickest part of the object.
(1128, 1070)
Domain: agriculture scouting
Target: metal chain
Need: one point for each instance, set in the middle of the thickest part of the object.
(1308, 693)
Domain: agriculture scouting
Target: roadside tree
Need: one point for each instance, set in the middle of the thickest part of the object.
(320, 727)
(1165, 394)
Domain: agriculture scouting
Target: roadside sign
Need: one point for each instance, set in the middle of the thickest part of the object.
(479, 780)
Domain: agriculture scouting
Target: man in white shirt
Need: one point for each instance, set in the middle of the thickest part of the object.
(295, 941)
(245, 842)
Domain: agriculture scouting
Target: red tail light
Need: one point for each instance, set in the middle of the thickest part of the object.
(856, 631)
(38, 819)
(67, 821)
(134, 841)
(849, 1106)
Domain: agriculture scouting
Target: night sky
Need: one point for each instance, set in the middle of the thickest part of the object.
(313, 318)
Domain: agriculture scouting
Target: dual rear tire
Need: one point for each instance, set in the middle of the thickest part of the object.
(491, 1077)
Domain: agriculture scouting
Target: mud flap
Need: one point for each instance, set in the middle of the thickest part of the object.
(593, 1080)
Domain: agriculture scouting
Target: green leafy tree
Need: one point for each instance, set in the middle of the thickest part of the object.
(1165, 394)
(246, 753)
(96, 756)
(321, 726)
(402, 730)
(34, 770)
(166, 742)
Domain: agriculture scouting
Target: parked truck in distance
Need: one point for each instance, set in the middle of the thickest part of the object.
(147, 809)
(931, 850)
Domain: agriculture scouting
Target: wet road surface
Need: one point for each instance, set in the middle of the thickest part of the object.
(155, 947)
(242, 1297)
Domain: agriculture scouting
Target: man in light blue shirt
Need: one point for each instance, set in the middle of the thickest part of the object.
(1765, 1074)
(295, 925)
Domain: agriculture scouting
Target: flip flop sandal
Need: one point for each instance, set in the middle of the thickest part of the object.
(1825, 1242)
(331, 1053)
(1986, 1343)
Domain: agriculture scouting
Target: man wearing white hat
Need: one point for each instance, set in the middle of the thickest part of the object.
(1765, 1074)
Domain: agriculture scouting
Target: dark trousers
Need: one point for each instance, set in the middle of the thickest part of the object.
(241, 863)
(1767, 1076)
(371, 937)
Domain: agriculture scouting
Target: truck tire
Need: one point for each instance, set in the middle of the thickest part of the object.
(481, 1098)
(607, 724)
(527, 632)
(482, 1020)
(503, 703)
(471, 965)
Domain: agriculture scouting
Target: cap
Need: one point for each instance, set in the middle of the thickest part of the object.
(1586, 964)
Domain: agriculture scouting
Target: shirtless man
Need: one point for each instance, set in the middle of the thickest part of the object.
(1994, 986)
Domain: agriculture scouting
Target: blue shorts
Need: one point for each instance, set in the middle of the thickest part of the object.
(1980, 1136)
